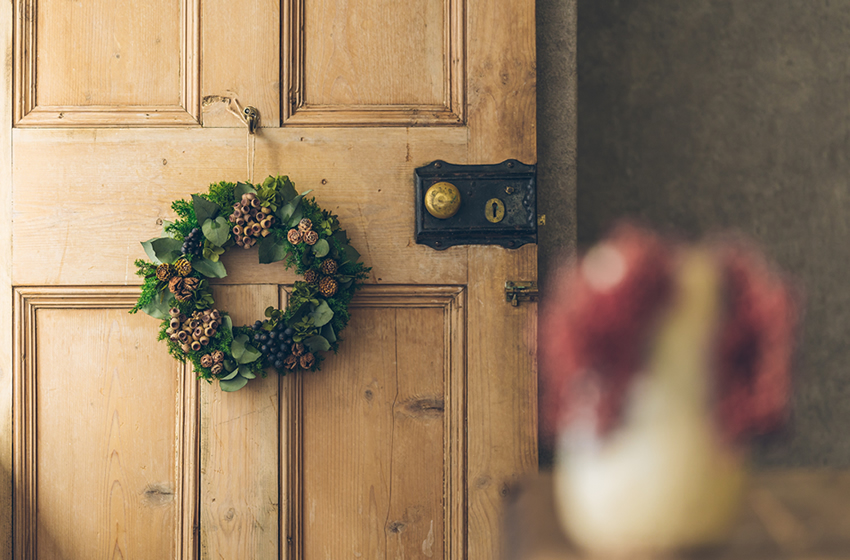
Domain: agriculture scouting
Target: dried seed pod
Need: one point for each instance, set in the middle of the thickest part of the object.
(293, 236)
(183, 267)
(290, 362)
(266, 224)
(206, 360)
(329, 267)
(240, 221)
(218, 356)
(249, 196)
(195, 346)
(174, 312)
(209, 331)
(185, 347)
(174, 323)
(198, 333)
(193, 323)
(307, 360)
(311, 237)
(266, 210)
(255, 203)
(164, 272)
(215, 314)
(305, 225)
(265, 232)
(256, 229)
(217, 369)
(204, 340)
(311, 276)
(183, 336)
(237, 230)
(298, 349)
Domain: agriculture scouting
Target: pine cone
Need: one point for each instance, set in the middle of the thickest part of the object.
(298, 349)
(307, 360)
(183, 267)
(207, 360)
(305, 225)
(294, 236)
(310, 237)
(329, 267)
(175, 284)
(311, 277)
(218, 356)
(217, 369)
(327, 286)
(290, 362)
(164, 272)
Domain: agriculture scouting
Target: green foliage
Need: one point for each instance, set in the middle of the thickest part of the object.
(222, 194)
(179, 229)
(315, 319)
(151, 286)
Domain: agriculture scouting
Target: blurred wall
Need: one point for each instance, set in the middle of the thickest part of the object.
(708, 114)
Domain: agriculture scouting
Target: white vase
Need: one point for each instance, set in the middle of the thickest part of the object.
(662, 480)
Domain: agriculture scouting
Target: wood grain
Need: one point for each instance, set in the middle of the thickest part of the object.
(139, 65)
(380, 443)
(374, 62)
(503, 415)
(102, 464)
(241, 59)
(144, 171)
(240, 492)
(6, 310)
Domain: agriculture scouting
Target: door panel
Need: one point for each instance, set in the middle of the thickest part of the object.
(380, 446)
(408, 440)
(106, 435)
(240, 447)
(104, 63)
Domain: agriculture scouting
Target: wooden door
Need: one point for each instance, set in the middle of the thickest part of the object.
(407, 442)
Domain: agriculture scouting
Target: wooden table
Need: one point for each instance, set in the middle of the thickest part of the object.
(787, 515)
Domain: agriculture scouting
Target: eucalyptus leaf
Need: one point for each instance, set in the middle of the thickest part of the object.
(321, 248)
(204, 209)
(269, 311)
(243, 188)
(317, 343)
(146, 245)
(229, 364)
(227, 324)
(351, 253)
(271, 250)
(246, 372)
(346, 284)
(328, 333)
(237, 347)
(286, 189)
(209, 269)
(341, 236)
(249, 355)
(233, 384)
(165, 249)
(230, 375)
(217, 230)
(158, 305)
(322, 314)
(296, 217)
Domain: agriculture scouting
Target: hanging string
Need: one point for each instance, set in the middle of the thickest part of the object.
(251, 138)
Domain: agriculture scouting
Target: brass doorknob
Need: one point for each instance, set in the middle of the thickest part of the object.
(442, 200)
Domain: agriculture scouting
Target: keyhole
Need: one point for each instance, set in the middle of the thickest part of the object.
(495, 209)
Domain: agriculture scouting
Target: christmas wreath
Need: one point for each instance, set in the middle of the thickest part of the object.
(284, 226)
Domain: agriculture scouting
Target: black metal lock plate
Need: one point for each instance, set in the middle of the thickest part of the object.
(506, 192)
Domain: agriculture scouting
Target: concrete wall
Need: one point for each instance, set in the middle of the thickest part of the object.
(704, 114)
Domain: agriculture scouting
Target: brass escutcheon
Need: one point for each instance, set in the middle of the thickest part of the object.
(442, 200)
(494, 210)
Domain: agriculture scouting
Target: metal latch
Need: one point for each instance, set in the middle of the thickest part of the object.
(516, 292)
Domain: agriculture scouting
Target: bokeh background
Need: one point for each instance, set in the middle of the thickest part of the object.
(703, 115)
